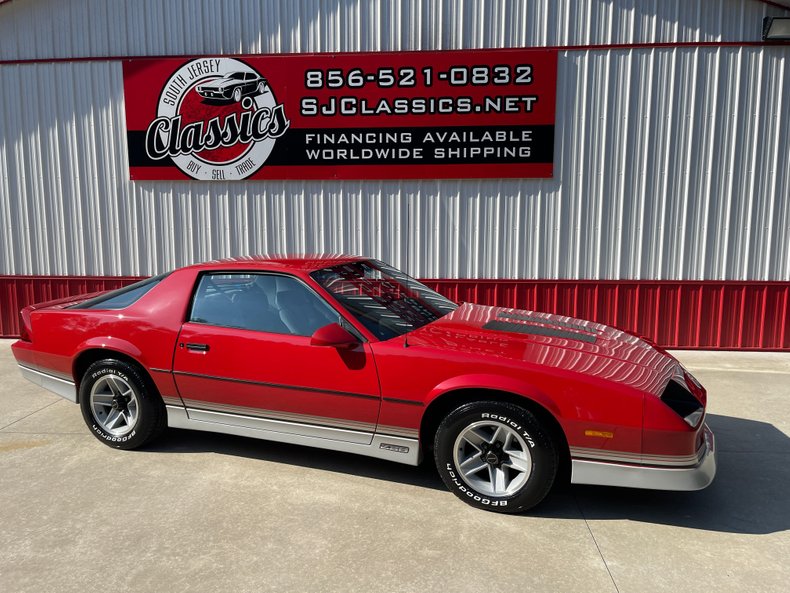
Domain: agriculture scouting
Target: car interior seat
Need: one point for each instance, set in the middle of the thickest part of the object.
(213, 306)
(300, 312)
(254, 304)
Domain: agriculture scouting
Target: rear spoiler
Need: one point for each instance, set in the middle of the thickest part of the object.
(25, 325)
(65, 302)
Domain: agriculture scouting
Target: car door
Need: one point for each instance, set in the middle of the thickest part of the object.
(244, 358)
(249, 82)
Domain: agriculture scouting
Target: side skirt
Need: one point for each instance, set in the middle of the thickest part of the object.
(391, 448)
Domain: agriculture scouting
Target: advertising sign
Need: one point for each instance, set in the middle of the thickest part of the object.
(405, 115)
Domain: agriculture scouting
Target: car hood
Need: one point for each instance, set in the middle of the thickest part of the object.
(219, 84)
(546, 340)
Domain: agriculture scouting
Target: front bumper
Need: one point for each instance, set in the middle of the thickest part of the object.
(213, 94)
(652, 477)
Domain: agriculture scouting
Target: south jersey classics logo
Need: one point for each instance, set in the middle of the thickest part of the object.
(217, 119)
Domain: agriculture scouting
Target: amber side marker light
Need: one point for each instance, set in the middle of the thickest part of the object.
(599, 433)
(776, 28)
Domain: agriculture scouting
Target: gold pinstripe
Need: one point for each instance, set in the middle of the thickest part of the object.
(280, 415)
(629, 457)
(398, 431)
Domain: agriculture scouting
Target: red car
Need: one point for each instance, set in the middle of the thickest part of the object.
(347, 353)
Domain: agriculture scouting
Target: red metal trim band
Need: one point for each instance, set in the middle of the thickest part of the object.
(694, 314)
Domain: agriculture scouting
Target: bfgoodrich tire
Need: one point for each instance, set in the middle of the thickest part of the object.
(496, 456)
(120, 405)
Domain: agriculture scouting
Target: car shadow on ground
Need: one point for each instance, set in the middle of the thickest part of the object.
(748, 496)
(188, 441)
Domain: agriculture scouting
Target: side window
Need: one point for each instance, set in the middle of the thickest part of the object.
(300, 309)
(123, 297)
(213, 302)
(260, 302)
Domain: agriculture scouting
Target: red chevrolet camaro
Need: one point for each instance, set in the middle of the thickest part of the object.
(348, 353)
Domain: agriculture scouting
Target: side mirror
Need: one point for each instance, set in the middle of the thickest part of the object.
(333, 335)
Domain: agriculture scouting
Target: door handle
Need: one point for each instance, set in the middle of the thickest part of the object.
(197, 347)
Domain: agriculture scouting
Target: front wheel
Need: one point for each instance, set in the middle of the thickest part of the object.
(496, 456)
(120, 405)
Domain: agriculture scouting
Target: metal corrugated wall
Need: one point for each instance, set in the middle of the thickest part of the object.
(670, 162)
(46, 29)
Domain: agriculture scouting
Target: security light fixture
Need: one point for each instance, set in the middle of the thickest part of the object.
(776, 28)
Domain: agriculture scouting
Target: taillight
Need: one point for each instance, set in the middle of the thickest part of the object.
(24, 331)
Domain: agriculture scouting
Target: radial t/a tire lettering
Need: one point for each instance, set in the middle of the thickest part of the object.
(120, 404)
(496, 456)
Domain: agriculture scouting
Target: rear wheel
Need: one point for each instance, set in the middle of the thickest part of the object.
(120, 405)
(496, 456)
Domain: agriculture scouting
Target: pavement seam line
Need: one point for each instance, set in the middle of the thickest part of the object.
(29, 415)
(597, 547)
(38, 432)
(731, 370)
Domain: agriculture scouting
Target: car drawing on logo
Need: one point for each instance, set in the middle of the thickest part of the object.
(350, 354)
(233, 86)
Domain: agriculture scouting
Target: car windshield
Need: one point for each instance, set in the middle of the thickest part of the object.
(387, 302)
(236, 75)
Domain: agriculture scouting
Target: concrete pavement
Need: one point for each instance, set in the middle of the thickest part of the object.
(204, 512)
